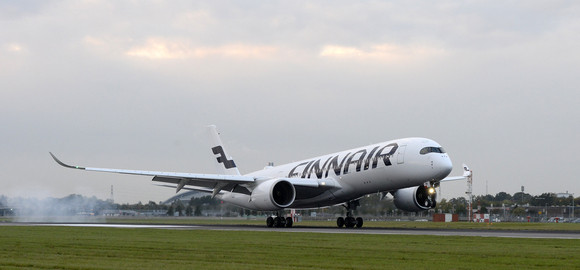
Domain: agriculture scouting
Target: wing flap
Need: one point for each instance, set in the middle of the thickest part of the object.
(323, 183)
(189, 188)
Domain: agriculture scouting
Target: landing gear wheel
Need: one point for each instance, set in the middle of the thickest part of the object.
(270, 222)
(278, 222)
(340, 222)
(359, 222)
(289, 222)
(349, 222)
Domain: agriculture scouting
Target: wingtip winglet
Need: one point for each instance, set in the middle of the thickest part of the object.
(64, 164)
(466, 171)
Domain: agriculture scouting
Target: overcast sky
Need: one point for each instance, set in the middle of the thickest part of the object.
(133, 84)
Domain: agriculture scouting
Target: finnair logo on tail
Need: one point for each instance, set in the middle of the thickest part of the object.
(222, 157)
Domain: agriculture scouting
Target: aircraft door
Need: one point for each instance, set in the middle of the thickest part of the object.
(401, 154)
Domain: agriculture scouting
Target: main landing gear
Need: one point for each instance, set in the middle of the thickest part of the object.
(349, 221)
(279, 222)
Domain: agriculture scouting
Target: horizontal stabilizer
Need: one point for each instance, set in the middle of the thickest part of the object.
(466, 173)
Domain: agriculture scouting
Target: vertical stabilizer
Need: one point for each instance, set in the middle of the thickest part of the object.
(225, 163)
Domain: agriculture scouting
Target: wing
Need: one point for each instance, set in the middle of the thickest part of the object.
(214, 182)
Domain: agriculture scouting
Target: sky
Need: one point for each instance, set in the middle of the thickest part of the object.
(133, 84)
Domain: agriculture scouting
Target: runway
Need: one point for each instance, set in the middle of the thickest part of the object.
(300, 229)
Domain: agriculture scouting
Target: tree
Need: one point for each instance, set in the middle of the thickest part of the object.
(179, 208)
(445, 207)
(544, 199)
(522, 198)
(460, 205)
(151, 205)
(171, 211)
(502, 196)
(483, 209)
(519, 212)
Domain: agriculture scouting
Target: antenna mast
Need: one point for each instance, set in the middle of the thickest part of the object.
(469, 193)
(112, 198)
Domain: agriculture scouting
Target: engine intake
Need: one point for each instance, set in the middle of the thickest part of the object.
(415, 199)
(273, 195)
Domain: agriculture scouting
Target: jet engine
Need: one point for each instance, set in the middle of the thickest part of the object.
(272, 195)
(415, 199)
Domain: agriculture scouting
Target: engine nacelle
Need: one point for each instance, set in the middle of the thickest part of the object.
(272, 195)
(415, 199)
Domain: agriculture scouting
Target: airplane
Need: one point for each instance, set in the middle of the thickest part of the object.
(410, 169)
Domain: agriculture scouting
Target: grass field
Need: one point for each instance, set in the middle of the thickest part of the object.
(29, 247)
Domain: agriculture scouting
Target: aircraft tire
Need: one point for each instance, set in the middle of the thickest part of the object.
(349, 222)
(340, 222)
(270, 222)
(359, 222)
(289, 222)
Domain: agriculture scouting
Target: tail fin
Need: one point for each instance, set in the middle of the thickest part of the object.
(225, 163)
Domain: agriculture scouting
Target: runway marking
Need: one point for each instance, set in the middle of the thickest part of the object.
(377, 231)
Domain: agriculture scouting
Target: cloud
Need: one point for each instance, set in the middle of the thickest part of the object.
(14, 48)
(158, 48)
(314, 76)
(381, 52)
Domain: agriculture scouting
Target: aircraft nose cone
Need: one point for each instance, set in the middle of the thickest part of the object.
(445, 167)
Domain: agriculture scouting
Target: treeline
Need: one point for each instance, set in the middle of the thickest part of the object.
(515, 202)
(370, 205)
(375, 205)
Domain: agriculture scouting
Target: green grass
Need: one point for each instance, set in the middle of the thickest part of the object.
(29, 247)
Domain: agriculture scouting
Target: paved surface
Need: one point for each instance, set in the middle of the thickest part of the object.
(378, 231)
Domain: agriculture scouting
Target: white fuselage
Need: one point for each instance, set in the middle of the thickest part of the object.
(350, 174)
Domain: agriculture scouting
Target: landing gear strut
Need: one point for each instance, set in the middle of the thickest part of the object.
(349, 221)
(279, 221)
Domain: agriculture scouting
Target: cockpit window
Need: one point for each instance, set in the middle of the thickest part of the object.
(427, 150)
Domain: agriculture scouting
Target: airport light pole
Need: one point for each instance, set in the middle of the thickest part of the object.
(572, 213)
(469, 193)
(546, 205)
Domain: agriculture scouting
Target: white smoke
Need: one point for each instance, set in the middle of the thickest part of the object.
(72, 208)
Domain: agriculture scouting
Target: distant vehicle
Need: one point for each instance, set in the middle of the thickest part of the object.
(557, 219)
(409, 169)
(576, 220)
